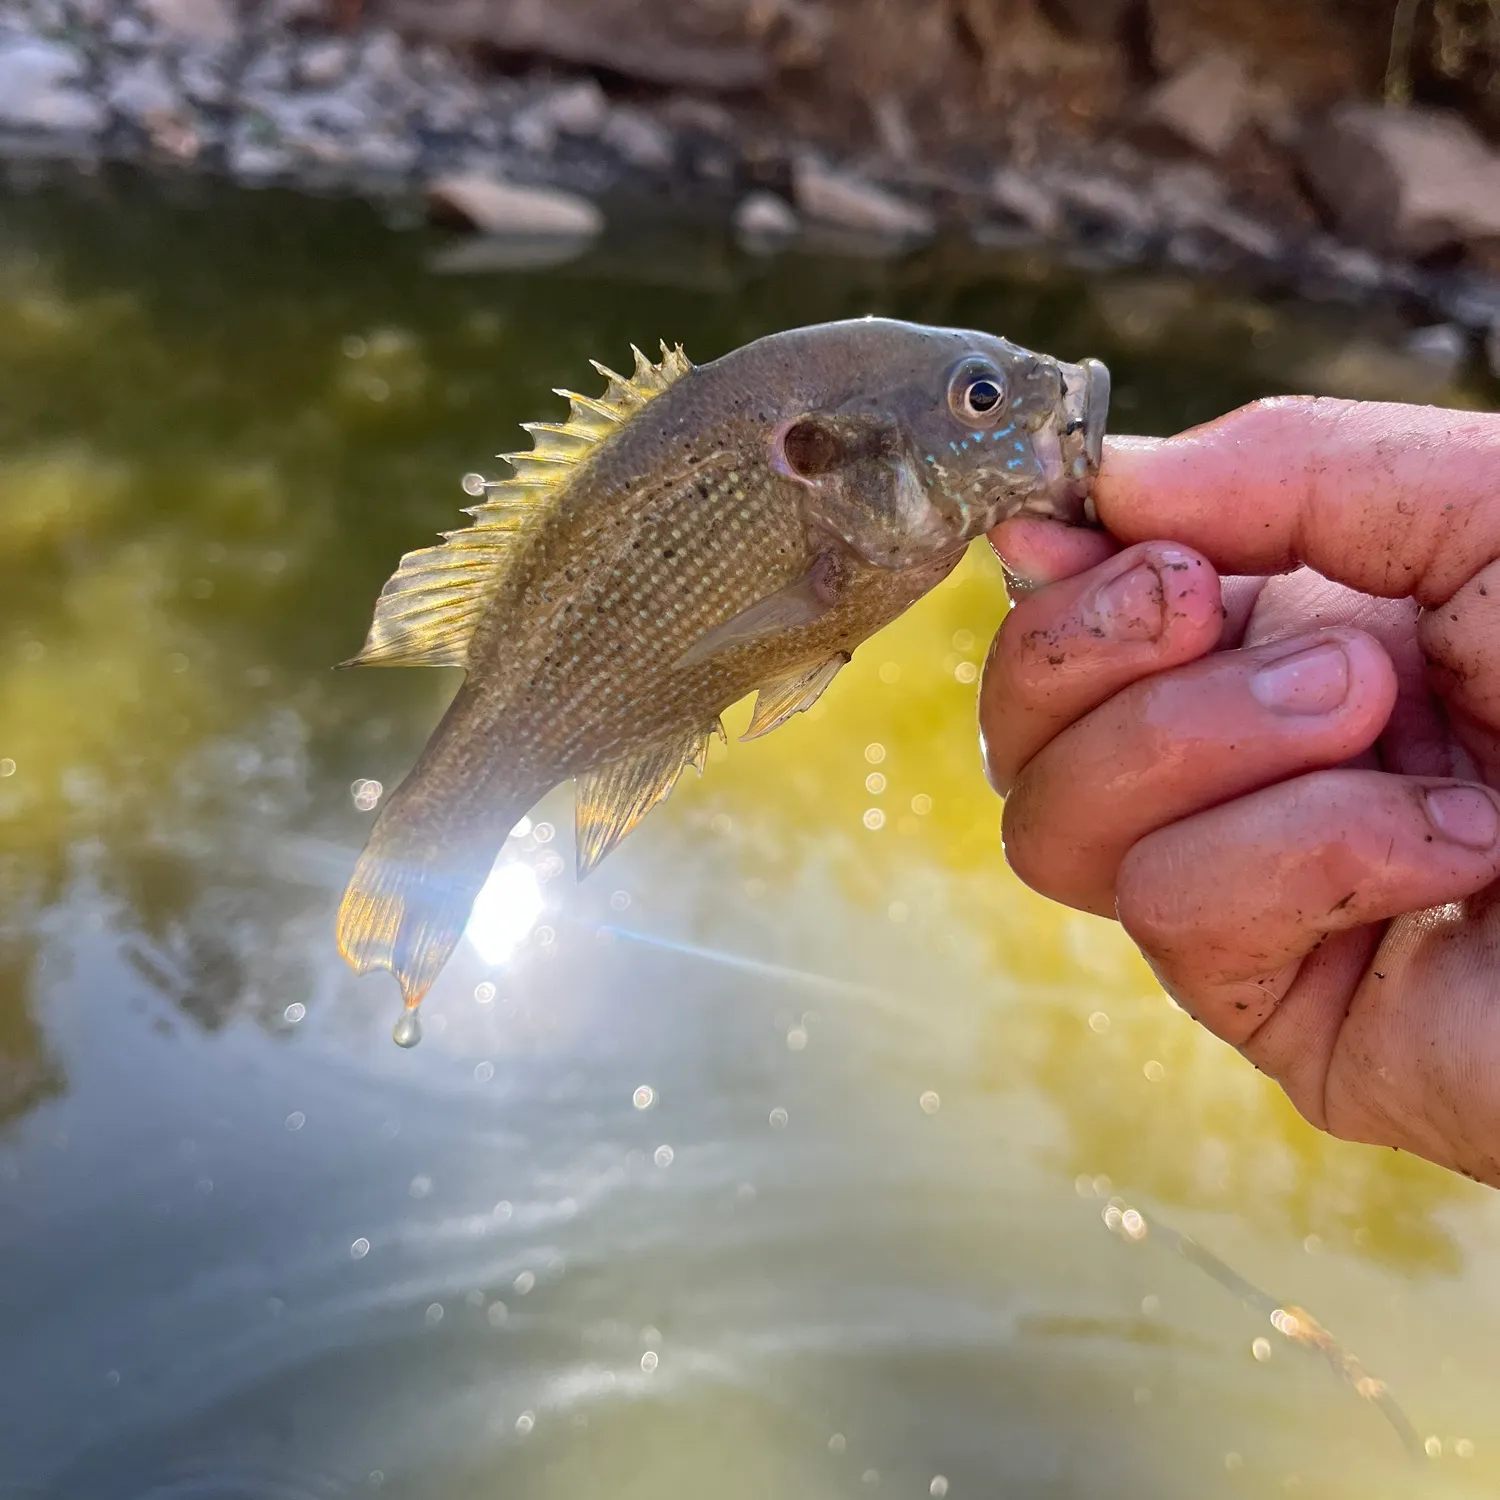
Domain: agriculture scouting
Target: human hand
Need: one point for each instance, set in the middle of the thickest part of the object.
(1270, 746)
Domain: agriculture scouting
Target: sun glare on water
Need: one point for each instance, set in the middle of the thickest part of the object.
(504, 913)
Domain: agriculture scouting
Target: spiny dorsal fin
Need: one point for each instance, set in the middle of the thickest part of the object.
(612, 799)
(778, 701)
(428, 609)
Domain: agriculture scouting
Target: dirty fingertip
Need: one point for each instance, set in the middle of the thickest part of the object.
(1035, 552)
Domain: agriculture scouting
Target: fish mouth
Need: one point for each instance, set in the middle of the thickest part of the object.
(1070, 448)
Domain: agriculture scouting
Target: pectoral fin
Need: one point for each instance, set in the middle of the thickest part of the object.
(611, 800)
(778, 701)
(801, 603)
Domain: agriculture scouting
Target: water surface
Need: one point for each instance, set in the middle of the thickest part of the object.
(775, 1159)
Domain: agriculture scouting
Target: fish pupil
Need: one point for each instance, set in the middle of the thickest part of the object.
(983, 396)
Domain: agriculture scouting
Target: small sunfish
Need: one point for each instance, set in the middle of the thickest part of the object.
(689, 536)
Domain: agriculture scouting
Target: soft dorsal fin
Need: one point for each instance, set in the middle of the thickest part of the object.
(428, 609)
(612, 799)
(777, 701)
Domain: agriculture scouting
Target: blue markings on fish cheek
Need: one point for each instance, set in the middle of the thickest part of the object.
(930, 459)
(1014, 463)
(954, 447)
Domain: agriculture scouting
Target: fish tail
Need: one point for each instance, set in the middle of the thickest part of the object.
(429, 854)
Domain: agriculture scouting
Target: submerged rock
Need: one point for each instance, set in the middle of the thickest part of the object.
(1026, 200)
(1406, 181)
(844, 201)
(764, 216)
(41, 88)
(504, 208)
(200, 20)
(1206, 105)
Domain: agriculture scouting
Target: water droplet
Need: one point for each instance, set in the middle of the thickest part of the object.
(966, 672)
(921, 804)
(1133, 1225)
(1433, 1447)
(644, 1097)
(359, 1249)
(377, 1478)
(619, 900)
(1154, 1071)
(837, 1444)
(1260, 1349)
(890, 672)
(525, 1422)
(484, 993)
(294, 1012)
(1150, 1305)
(498, 1313)
(649, 1361)
(7, 767)
(524, 1283)
(544, 833)
(111, 1377)
(938, 1487)
(874, 819)
(420, 1186)
(662, 1156)
(501, 1211)
(875, 752)
(871, 1476)
(521, 829)
(296, 1120)
(1313, 1243)
(473, 484)
(875, 783)
(1099, 1022)
(1464, 1448)
(963, 640)
(930, 1102)
(434, 1314)
(546, 936)
(1083, 1185)
(484, 1071)
(796, 1039)
(475, 1298)
(365, 793)
(778, 1118)
(354, 347)
(407, 1032)
(1102, 1186)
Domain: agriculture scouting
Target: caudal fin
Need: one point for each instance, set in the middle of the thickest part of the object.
(411, 893)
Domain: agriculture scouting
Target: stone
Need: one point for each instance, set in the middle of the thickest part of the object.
(210, 21)
(639, 139)
(128, 32)
(40, 89)
(1106, 202)
(1025, 200)
(201, 74)
(1190, 198)
(1407, 182)
(503, 208)
(1206, 105)
(254, 152)
(1444, 346)
(143, 91)
(847, 202)
(764, 216)
(323, 62)
(579, 109)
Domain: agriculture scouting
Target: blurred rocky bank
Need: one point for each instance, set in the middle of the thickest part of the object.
(1345, 147)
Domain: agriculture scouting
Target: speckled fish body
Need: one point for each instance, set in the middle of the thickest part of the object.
(691, 536)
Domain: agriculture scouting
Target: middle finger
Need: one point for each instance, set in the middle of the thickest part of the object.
(1186, 740)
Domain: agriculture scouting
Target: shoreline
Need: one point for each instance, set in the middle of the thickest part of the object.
(532, 153)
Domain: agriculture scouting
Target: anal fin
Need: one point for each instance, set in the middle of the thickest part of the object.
(777, 701)
(803, 602)
(612, 799)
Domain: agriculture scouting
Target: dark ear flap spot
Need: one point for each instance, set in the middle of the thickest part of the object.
(810, 448)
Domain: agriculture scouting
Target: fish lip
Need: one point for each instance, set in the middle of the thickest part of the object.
(1072, 446)
(1095, 411)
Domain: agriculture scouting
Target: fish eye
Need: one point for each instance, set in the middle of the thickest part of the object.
(976, 393)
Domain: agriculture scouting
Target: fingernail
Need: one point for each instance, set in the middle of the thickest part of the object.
(1314, 681)
(1129, 608)
(1465, 815)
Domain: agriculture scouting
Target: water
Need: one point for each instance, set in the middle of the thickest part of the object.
(777, 1158)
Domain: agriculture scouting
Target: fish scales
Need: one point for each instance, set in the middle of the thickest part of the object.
(693, 536)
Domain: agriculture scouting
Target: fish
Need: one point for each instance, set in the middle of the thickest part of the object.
(689, 536)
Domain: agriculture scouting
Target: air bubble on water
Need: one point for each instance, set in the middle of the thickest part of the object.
(294, 1012)
(875, 783)
(1261, 1350)
(1433, 1447)
(484, 1071)
(501, 1211)
(778, 1118)
(407, 1032)
(296, 1120)
(475, 1298)
(473, 484)
(524, 1282)
(111, 1377)
(1099, 1022)
(498, 1313)
(649, 1361)
(875, 752)
(663, 1156)
(484, 993)
(874, 819)
(359, 1249)
(420, 1186)
(7, 766)
(921, 804)
(930, 1102)
(544, 833)
(644, 1097)
(434, 1314)
(619, 901)
(837, 1443)
(966, 672)
(938, 1487)
(525, 1422)
(796, 1039)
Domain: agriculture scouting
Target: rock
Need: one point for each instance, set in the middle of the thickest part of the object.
(503, 208)
(210, 21)
(254, 153)
(765, 216)
(1190, 199)
(128, 32)
(1024, 199)
(201, 74)
(579, 109)
(847, 202)
(1106, 203)
(1204, 106)
(143, 92)
(40, 89)
(1404, 181)
(1444, 346)
(385, 155)
(324, 62)
(640, 140)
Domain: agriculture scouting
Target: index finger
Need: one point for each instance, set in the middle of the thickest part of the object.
(1389, 499)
